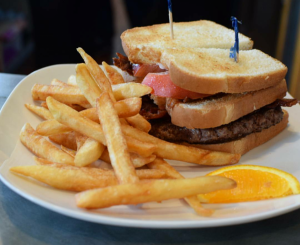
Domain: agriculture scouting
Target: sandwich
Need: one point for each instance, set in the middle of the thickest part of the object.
(201, 96)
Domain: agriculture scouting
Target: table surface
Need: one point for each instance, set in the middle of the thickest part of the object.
(23, 222)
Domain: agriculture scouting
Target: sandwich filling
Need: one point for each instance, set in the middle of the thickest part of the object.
(257, 121)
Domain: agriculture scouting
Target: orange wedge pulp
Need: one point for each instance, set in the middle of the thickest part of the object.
(253, 183)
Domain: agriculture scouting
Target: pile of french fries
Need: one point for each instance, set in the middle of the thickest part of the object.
(95, 116)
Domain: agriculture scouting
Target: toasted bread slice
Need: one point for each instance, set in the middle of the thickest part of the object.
(251, 141)
(214, 112)
(145, 44)
(211, 71)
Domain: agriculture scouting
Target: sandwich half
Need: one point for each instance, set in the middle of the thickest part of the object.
(200, 95)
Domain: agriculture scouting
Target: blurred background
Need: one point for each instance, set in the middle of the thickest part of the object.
(39, 33)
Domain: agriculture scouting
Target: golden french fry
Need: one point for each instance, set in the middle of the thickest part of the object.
(182, 153)
(139, 122)
(87, 84)
(72, 80)
(57, 82)
(151, 191)
(171, 172)
(40, 111)
(142, 173)
(75, 107)
(44, 105)
(80, 139)
(125, 108)
(142, 148)
(113, 75)
(128, 107)
(69, 151)
(66, 139)
(71, 118)
(65, 94)
(129, 90)
(116, 143)
(51, 127)
(97, 73)
(137, 160)
(74, 178)
(89, 152)
(72, 95)
(41, 147)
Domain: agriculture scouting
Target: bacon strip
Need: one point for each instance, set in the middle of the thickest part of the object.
(284, 103)
(123, 63)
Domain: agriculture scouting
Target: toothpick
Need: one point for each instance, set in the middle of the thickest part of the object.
(171, 18)
(235, 49)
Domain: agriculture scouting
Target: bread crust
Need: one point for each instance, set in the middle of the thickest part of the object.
(214, 113)
(145, 44)
(199, 74)
(249, 142)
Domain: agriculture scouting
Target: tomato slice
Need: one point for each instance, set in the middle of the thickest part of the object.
(163, 87)
(143, 69)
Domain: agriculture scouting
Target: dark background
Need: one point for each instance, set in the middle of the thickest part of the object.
(51, 30)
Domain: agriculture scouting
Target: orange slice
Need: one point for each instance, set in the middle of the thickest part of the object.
(253, 183)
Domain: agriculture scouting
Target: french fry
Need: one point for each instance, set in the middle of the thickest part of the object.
(129, 90)
(171, 172)
(151, 191)
(40, 111)
(72, 178)
(125, 108)
(75, 107)
(51, 127)
(113, 75)
(97, 73)
(88, 153)
(72, 80)
(87, 84)
(65, 94)
(136, 159)
(139, 122)
(67, 150)
(142, 173)
(80, 139)
(44, 105)
(182, 153)
(142, 148)
(66, 139)
(72, 95)
(128, 107)
(57, 82)
(41, 147)
(116, 143)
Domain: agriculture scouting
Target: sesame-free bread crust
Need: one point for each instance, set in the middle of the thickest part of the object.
(249, 142)
(144, 45)
(214, 112)
(211, 71)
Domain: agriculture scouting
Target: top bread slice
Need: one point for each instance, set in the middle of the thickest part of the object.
(144, 45)
(211, 71)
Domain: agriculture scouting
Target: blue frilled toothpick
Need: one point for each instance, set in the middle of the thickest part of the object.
(171, 18)
(234, 50)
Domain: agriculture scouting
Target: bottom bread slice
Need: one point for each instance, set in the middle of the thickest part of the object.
(249, 142)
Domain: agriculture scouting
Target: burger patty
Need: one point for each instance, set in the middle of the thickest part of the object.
(255, 122)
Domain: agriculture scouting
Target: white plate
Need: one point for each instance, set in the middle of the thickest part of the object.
(281, 152)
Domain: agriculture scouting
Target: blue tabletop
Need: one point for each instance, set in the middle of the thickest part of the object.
(23, 222)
